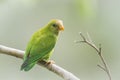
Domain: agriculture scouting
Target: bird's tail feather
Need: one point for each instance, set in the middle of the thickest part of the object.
(26, 67)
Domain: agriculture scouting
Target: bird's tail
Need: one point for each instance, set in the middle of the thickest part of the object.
(26, 67)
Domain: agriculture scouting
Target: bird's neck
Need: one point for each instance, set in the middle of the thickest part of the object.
(56, 33)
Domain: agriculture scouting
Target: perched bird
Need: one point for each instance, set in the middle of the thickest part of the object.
(41, 44)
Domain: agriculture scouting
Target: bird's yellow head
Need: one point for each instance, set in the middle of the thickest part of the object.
(56, 25)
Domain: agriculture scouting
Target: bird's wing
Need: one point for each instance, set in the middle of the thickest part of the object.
(38, 49)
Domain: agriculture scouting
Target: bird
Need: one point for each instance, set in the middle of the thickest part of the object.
(41, 45)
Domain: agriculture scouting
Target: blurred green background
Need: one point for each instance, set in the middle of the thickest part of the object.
(100, 18)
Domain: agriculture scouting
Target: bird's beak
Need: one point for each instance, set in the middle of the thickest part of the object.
(61, 28)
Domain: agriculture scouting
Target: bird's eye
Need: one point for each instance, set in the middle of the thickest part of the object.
(54, 25)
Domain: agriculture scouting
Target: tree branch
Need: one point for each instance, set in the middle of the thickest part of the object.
(89, 42)
(52, 67)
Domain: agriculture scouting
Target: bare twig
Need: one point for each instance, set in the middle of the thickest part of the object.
(52, 67)
(101, 67)
(98, 49)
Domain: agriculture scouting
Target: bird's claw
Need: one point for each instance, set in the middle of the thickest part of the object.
(50, 62)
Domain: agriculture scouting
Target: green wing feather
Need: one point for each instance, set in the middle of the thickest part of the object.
(39, 48)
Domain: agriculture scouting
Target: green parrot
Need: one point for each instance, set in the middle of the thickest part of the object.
(41, 44)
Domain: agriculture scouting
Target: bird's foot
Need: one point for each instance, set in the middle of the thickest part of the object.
(50, 62)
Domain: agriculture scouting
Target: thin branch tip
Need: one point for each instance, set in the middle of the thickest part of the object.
(82, 36)
(101, 67)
